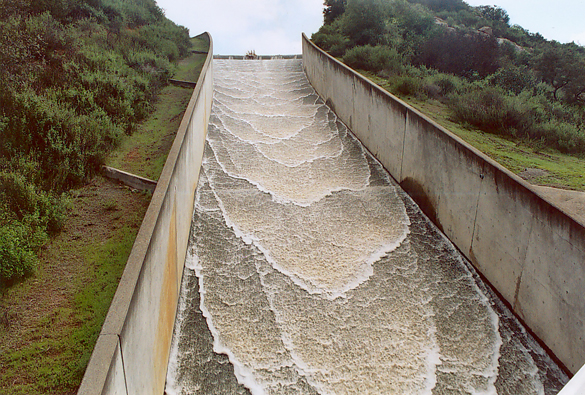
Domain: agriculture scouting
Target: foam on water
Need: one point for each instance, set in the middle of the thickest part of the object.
(316, 275)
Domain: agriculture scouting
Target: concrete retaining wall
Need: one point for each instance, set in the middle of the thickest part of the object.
(132, 180)
(132, 351)
(531, 252)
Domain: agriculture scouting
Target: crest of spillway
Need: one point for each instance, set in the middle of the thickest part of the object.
(316, 275)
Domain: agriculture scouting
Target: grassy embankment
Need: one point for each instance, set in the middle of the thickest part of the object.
(559, 170)
(146, 152)
(51, 320)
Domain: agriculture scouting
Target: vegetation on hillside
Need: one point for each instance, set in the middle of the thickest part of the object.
(75, 76)
(495, 77)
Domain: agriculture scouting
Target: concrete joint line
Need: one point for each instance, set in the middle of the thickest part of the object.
(481, 177)
(123, 364)
(521, 275)
(403, 145)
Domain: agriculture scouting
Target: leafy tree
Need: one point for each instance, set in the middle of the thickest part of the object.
(494, 13)
(415, 23)
(443, 5)
(330, 38)
(467, 55)
(364, 22)
(562, 67)
(333, 10)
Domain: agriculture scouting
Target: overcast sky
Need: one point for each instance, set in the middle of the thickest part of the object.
(272, 27)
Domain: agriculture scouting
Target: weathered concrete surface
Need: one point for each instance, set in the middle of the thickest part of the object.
(132, 180)
(131, 354)
(183, 84)
(530, 250)
(571, 202)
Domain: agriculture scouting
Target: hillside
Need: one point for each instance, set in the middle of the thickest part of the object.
(50, 320)
(75, 77)
(510, 92)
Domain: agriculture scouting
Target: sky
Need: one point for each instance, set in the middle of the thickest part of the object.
(273, 27)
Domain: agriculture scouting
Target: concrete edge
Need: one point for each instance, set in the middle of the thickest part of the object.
(129, 179)
(182, 84)
(96, 376)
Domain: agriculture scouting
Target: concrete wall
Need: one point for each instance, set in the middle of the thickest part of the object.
(528, 249)
(132, 180)
(132, 351)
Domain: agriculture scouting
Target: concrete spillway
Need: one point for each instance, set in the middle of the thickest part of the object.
(311, 272)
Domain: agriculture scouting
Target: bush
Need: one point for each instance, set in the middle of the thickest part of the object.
(522, 116)
(29, 216)
(565, 137)
(75, 76)
(513, 79)
(30, 205)
(363, 22)
(493, 111)
(468, 55)
(330, 39)
(440, 85)
(379, 58)
(17, 258)
(407, 85)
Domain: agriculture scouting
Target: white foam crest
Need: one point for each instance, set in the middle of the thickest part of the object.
(306, 257)
(245, 117)
(490, 369)
(301, 185)
(244, 375)
(263, 101)
(244, 131)
(432, 361)
(172, 386)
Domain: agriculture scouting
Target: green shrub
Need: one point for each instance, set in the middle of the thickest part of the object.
(407, 85)
(522, 116)
(441, 85)
(493, 111)
(75, 76)
(330, 39)
(565, 137)
(30, 205)
(17, 258)
(513, 79)
(376, 59)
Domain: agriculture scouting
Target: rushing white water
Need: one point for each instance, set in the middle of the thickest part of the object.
(311, 272)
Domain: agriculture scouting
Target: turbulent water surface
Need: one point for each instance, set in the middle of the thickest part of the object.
(311, 272)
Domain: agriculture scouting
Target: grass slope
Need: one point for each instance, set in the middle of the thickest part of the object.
(562, 170)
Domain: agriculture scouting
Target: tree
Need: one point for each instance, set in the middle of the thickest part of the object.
(333, 10)
(462, 54)
(494, 13)
(364, 22)
(442, 5)
(561, 66)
